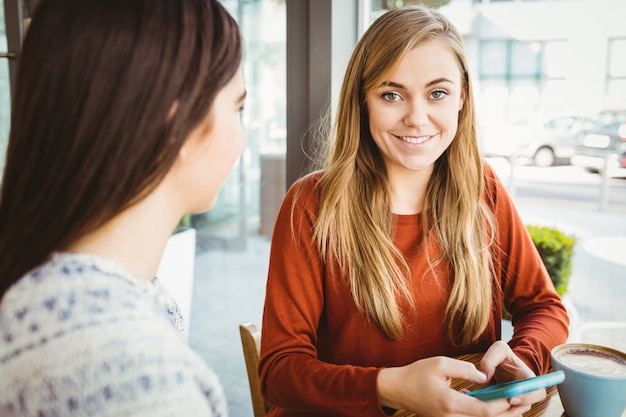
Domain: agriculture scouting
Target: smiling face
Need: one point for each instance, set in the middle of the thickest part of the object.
(413, 114)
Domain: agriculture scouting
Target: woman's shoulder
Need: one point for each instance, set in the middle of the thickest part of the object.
(69, 283)
(307, 183)
(71, 296)
(305, 190)
(491, 177)
(494, 188)
(88, 331)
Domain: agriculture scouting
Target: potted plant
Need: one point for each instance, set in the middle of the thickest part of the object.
(176, 270)
(556, 249)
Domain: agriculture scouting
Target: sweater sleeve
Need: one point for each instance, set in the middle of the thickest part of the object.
(539, 318)
(292, 376)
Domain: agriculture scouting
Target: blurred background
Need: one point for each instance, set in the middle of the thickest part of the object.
(549, 78)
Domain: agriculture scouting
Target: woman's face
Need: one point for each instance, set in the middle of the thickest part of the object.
(413, 115)
(210, 151)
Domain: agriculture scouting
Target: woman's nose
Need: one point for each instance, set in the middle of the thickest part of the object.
(417, 114)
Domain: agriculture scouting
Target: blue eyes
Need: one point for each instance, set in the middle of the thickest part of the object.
(392, 96)
(438, 94)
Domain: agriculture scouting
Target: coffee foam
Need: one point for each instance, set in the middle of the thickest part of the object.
(595, 362)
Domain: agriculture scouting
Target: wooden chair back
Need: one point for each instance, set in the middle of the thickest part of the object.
(251, 344)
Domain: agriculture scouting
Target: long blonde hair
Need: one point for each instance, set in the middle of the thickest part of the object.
(354, 226)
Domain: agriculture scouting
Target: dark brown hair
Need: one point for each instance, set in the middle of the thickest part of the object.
(92, 128)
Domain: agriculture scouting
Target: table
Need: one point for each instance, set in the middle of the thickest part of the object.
(548, 407)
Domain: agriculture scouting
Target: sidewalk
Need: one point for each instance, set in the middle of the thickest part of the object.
(230, 287)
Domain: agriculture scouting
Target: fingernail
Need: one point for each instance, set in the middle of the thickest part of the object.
(515, 401)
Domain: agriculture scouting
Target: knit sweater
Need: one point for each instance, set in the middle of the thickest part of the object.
(321, 356)
(79, 336)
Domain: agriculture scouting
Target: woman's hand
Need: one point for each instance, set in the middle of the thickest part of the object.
(424, 388)
(500, 363)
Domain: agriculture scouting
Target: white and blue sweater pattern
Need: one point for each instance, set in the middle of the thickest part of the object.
(79, 336)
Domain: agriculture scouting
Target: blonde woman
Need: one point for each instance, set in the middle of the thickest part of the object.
(401, 252)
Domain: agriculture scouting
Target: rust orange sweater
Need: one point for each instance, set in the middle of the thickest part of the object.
(321, 356)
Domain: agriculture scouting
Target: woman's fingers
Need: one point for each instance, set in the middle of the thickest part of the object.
(529, 397)
(500, 361)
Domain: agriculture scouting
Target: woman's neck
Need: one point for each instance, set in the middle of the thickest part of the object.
(407, 190)
(135, 238)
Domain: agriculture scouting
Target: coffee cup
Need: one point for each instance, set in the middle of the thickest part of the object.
(595, 379)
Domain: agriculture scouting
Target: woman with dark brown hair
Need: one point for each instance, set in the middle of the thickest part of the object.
(125, 117)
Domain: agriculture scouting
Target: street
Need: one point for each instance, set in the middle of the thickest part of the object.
(561, 184)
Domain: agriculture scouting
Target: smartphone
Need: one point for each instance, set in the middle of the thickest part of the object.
(520, 386)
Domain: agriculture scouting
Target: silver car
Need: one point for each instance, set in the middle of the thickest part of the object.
(602, 144)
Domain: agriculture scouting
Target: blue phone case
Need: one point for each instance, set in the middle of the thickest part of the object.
(521, 386)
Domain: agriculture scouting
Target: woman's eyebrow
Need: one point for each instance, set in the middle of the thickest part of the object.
(392, 84)
(439, 81)
(429, 84)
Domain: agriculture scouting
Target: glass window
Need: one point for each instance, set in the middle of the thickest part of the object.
(263, 117)
(617, 58)
(491, 100)
(555, 59)
(534, 73)
(552, 93)
(5, 93)
(525, 58)
(379, 6)
(523, 98)
(493, 59)
(616, 94)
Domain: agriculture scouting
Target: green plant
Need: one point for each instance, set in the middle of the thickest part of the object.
(556, 250)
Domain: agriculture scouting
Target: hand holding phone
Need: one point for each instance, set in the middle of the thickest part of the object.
(518, 387)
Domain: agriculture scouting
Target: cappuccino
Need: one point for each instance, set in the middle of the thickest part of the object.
(593, 361)
(595, 379)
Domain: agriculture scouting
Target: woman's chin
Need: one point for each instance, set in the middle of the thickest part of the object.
(211, 204)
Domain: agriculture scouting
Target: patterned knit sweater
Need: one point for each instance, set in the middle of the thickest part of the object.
(79, 336)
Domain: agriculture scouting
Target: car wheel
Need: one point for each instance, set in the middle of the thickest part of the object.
(544, 157)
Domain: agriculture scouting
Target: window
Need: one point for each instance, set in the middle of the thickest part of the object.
(5, 93)
(531, 73)
(493, 59)
(616, 73)
(239, 204)
(526, 59)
